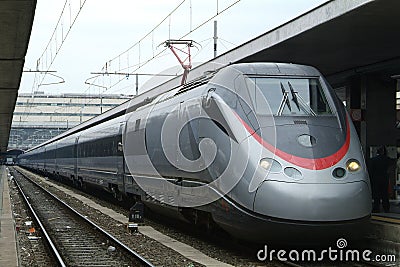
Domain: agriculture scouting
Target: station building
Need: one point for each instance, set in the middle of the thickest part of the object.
(39, 116)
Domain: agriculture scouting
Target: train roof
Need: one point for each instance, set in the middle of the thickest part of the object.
(148, 96)
(284, 69)
(129, 106)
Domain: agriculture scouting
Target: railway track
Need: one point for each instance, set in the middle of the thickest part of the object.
(74, 240)
(185, 233)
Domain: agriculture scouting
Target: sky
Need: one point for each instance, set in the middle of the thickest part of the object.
(123, 34)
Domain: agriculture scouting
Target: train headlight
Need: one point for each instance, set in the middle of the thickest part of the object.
(270, 164)
(293, 173)
(339, 172)
(265, 163)
(353, 165)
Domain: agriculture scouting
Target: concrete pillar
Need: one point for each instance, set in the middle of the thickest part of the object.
(380, 111)
(355, 99)
(381, 117)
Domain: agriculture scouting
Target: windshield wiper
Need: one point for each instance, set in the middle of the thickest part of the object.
(284, 101)
(296, 97)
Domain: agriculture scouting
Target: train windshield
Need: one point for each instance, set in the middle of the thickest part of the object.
(289, 96)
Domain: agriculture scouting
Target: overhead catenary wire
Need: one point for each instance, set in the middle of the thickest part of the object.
(80, 109)
(54, 36)
(43, 60)
(222, 41)
(54, 31)
(191, 30)
(116, 63)
(150, 32)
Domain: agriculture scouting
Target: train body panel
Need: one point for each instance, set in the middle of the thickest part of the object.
(99, 159)
(66, 157)
(50, 156)
(39, 160)
(270, 143)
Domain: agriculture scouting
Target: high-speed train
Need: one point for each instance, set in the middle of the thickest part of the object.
(260, 149)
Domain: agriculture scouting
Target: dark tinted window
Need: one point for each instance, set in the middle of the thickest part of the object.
(289, 96)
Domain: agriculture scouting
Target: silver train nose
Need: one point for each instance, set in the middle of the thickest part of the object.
(313, 202)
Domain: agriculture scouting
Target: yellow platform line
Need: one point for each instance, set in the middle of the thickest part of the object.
(385, 219)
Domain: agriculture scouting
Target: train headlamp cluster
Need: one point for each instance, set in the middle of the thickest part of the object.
(270, 165)
(353, 165)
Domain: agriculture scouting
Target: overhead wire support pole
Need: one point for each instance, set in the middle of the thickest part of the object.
(215, 39)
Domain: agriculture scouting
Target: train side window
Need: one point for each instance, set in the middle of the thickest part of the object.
(112, 147)
(229, 97)
(137, 125)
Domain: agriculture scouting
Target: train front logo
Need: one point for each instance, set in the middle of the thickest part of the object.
(266, 145)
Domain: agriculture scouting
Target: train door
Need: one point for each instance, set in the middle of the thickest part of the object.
(55, 159)
(188, 154)
(119, 155)
(45, 159)
(188, 140)
(75, 157)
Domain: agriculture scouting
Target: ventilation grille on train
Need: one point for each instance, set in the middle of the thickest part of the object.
(299, 122)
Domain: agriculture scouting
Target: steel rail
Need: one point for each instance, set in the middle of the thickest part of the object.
(53, 248)
(133, 253)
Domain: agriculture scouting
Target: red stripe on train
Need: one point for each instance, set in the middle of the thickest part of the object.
(312, 164)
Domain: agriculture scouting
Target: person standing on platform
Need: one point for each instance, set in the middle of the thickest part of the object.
(379, 174)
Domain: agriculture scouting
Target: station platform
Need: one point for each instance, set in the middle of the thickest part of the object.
(391, 217)
(8, 243)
